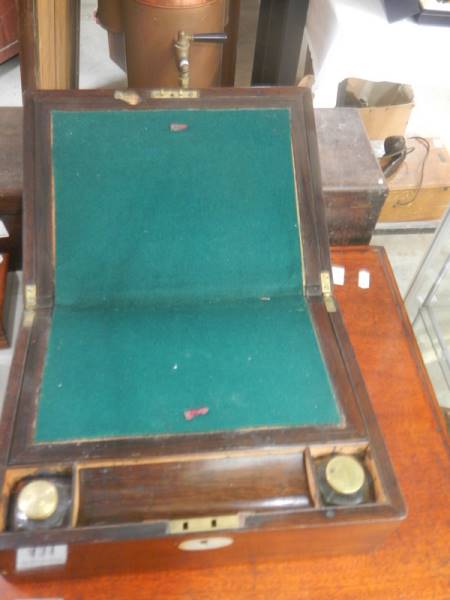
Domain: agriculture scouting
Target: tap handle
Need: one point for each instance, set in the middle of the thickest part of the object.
(215, 38)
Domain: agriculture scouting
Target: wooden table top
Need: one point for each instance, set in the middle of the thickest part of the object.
(414, 563)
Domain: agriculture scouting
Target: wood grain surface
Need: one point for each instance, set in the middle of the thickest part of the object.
(414, 564)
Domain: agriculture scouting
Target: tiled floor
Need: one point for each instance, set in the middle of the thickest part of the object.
(429, 118)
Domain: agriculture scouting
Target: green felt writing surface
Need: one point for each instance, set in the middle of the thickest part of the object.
(145, 215)
(253, 363)
(178, 278)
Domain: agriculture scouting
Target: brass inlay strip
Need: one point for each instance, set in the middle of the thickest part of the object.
(204, 524)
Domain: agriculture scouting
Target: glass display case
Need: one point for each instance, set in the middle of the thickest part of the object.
(428, 306)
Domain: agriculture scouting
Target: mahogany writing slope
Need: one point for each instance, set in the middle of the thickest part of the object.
(183, 385)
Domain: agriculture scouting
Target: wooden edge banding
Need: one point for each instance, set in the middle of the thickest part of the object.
(370, 465)
(297, 192)
(75, 495)
(311, 478)
(352, 448)
(13, 391)
(181, 458)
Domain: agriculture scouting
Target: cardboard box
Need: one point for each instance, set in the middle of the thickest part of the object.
(384, 107)
(404, 202)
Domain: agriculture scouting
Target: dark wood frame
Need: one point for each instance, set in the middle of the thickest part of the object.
(279, 39)
(230, 47)
(357, 432)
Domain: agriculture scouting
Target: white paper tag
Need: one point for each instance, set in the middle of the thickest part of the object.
(3, 231)
(202, 544)
(338, 275)
(364, 279)
(41, 556)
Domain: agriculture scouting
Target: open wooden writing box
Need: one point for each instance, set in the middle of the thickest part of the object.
(176, 259)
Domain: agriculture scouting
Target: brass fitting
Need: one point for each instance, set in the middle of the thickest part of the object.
(183, 50)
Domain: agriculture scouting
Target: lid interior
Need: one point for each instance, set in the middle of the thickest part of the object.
(178, 277)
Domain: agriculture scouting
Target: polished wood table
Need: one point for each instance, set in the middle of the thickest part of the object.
(414, 563)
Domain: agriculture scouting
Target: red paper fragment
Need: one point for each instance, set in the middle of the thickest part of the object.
(195, 412)
(178, 127)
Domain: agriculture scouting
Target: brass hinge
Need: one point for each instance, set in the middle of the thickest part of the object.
(327, 291)
(174, 93)
(204, 524)
(28, 318)
(30, 297)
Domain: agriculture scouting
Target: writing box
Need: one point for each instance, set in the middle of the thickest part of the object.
(183, 389)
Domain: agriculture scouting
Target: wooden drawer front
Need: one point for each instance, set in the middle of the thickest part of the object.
(127, 493)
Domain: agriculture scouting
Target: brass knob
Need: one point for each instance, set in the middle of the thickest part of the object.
(38, 500)
(345, 475)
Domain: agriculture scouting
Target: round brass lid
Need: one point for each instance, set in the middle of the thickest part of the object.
(38, 500)
(345, 474)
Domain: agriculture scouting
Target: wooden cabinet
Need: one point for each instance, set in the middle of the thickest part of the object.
(9, 43)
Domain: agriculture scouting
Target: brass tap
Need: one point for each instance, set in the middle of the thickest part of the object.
(183, 49)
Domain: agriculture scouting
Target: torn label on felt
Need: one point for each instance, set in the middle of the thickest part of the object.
(195, 412)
